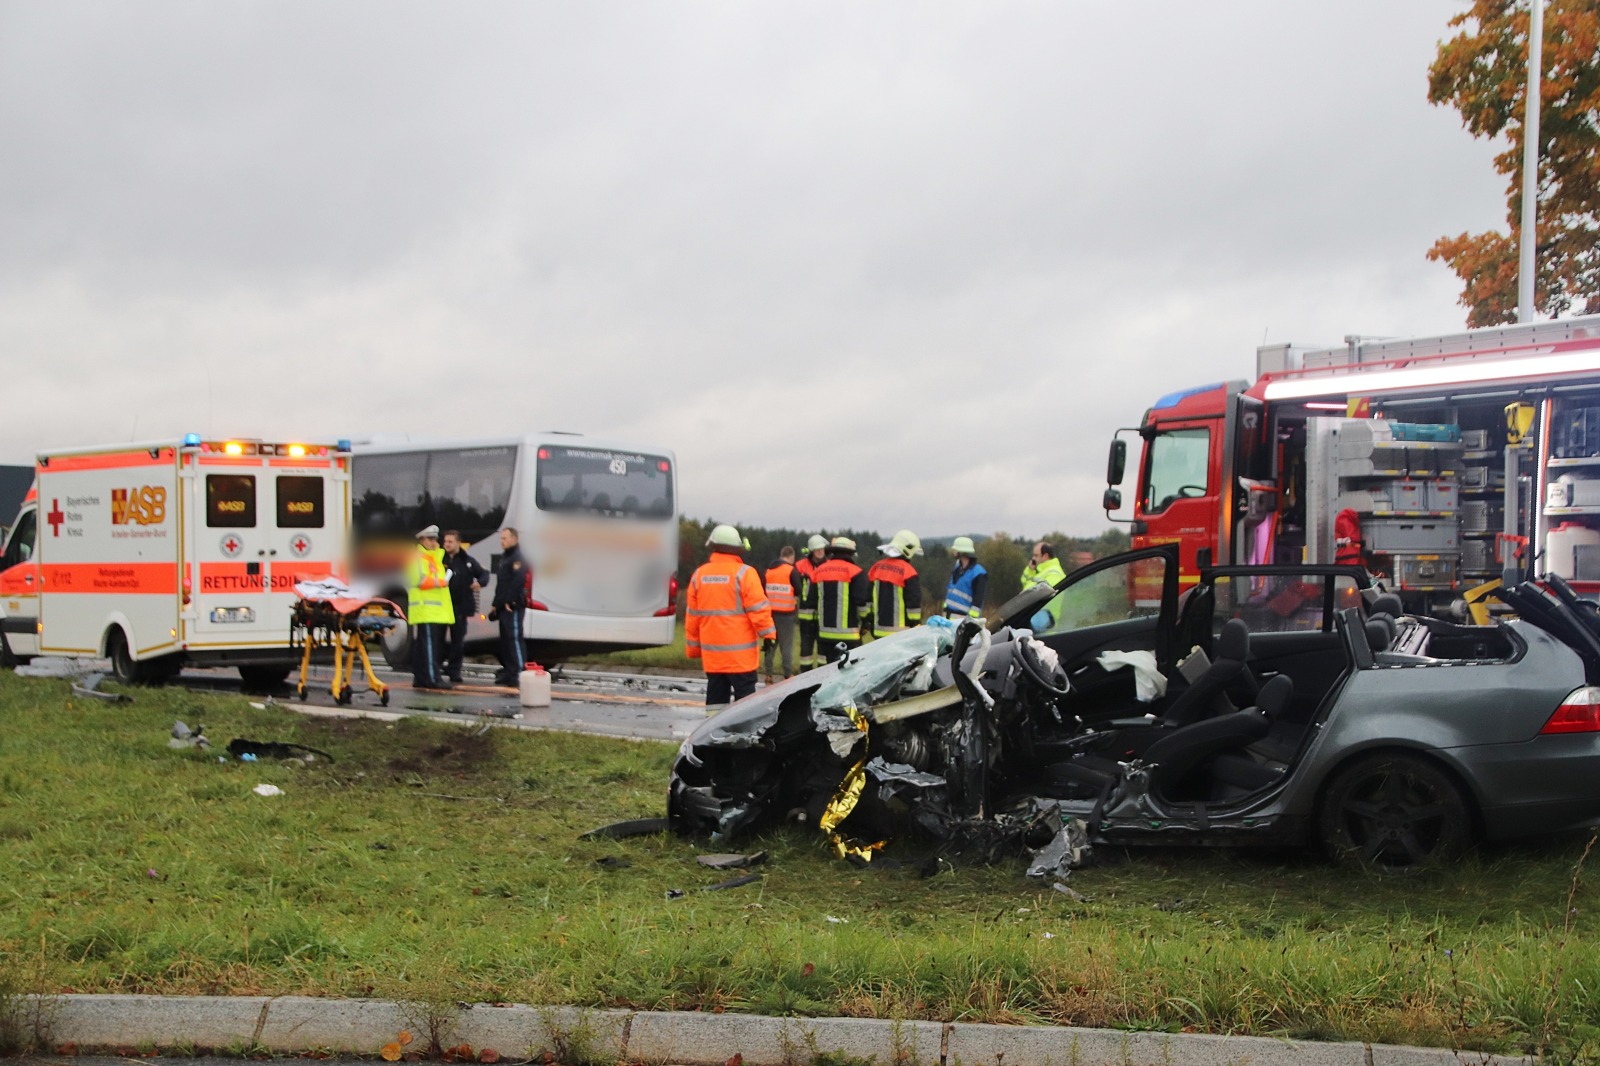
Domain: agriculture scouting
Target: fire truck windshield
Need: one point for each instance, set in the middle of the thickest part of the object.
(1176, 467)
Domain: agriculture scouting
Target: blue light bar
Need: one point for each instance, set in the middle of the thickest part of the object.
(191, 440)
(1172, 399)
(343, 445)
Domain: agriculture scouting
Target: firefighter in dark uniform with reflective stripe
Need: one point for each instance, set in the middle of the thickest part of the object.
(806, 617)
(896, 588)
(841, 595)
(512, 578)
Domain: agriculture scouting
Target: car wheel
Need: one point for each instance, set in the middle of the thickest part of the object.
(1394, 813)
(8, 661)
(124, 667)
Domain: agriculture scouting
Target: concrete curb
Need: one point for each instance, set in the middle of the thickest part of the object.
(294, 1024)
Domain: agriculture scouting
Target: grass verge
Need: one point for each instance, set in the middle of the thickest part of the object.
(434, 861)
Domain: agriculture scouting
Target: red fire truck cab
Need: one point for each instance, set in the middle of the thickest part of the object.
(1450, 459)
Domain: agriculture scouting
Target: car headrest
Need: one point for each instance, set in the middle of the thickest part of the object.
(1234, 641)
(1274, 695)
(1388, 603)
(1380, 632)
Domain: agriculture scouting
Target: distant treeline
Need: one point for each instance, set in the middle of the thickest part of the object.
(1003, 555)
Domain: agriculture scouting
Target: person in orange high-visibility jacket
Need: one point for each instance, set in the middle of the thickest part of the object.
(728, 618)
(841, 595)
(781, 581)
(896, 589)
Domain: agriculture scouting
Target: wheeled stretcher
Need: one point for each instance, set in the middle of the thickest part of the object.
(330, 615)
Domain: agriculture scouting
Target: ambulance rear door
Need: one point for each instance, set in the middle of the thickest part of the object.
(262, 521)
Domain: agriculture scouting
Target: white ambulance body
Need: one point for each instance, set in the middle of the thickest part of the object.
(171, 552)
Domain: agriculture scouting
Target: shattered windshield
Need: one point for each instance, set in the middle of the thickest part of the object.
(884, 669)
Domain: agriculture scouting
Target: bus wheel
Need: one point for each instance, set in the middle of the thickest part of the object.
(263, 678)
(397, 647)
(124, 667)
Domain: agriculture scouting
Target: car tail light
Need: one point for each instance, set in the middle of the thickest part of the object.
(1578, 713)
(672, 598)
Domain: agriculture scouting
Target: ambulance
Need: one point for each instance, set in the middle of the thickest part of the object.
(167, 553)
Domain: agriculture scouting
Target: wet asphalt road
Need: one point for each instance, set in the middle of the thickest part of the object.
(603, 704)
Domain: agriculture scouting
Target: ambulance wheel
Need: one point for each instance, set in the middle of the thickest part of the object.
(263, 678)
(124, 667)
(8, 659)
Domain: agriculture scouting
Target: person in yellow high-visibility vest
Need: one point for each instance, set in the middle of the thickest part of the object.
(428, 609)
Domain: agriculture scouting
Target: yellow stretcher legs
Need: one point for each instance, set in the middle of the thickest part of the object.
(316, 626)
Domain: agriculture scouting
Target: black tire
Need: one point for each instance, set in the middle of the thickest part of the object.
(1394, 813)
(397, 647)
(8, 661)
(163, 671)
(124, 667)
(263, 678)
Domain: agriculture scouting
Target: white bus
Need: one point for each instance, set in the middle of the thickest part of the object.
(598, 522)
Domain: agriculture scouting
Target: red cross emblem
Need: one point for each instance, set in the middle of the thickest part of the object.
(232, 546)
(55, 518)
(300, 545)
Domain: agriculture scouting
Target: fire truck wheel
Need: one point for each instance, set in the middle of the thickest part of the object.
(124, 667)
(263, 678)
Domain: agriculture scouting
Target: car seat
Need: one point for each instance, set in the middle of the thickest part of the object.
(1179, 754)
(1228, 675)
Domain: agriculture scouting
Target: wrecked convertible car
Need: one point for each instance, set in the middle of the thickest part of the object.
(1274, 705)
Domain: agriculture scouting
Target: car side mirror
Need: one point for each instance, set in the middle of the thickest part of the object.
(1112, 500)
(1116, 462)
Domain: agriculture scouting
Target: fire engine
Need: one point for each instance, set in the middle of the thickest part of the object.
(171, 552)
(1442, 463)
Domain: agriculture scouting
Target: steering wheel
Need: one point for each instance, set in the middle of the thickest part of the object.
(1036, 672)
(1189, 492)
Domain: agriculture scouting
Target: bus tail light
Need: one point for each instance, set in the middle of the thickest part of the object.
(672, 598)
(1578, 713)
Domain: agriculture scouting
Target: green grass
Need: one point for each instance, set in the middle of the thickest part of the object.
(429, 858)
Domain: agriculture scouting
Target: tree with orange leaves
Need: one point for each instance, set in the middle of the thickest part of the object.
(1482, 73)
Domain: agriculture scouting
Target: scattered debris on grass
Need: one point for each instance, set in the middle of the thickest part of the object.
(635, 827)
(184, 737)
(731, 862)
(90, 686)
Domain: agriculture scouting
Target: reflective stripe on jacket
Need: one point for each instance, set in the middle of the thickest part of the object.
(1049, 572)
(727, 616)
(896, 596)
(780, 588)
(964, 595)
(428, 589)
(841, 595)
(802, 588)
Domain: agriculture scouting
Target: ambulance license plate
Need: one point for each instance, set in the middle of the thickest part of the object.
(233, 614)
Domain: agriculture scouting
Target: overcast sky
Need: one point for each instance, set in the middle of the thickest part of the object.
(869, 264)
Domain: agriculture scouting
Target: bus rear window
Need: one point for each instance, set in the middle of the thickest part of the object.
(595, 481)
(231, 501)
(299, 502)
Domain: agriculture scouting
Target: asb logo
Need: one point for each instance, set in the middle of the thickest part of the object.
(143, 506)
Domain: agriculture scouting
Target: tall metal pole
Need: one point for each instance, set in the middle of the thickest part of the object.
(1528, 240)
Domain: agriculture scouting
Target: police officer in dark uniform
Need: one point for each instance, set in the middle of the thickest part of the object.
(511, 580)
(466, 577)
